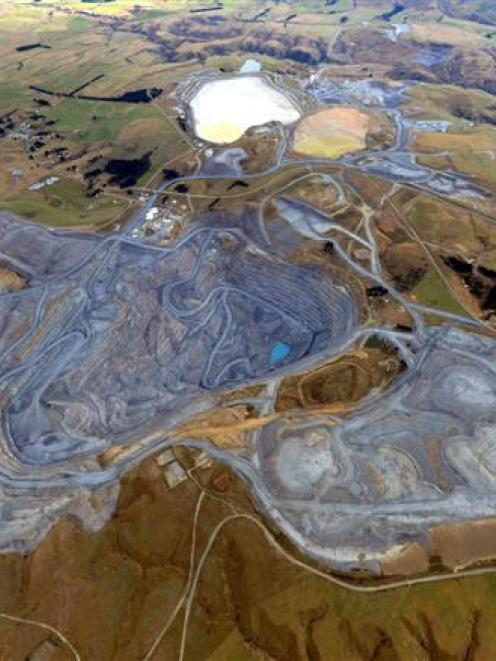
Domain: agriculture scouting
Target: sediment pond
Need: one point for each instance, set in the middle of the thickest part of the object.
(224, 109)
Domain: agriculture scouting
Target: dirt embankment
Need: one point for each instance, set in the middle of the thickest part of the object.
(10, 280)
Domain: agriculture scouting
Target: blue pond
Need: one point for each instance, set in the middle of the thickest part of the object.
(279, 352)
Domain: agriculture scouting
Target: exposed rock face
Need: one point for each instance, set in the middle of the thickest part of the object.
(132, 344)
(338, 487)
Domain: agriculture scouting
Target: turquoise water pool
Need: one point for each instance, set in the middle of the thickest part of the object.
(279, 352)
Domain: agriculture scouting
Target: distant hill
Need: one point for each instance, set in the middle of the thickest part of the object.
(482, 11)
